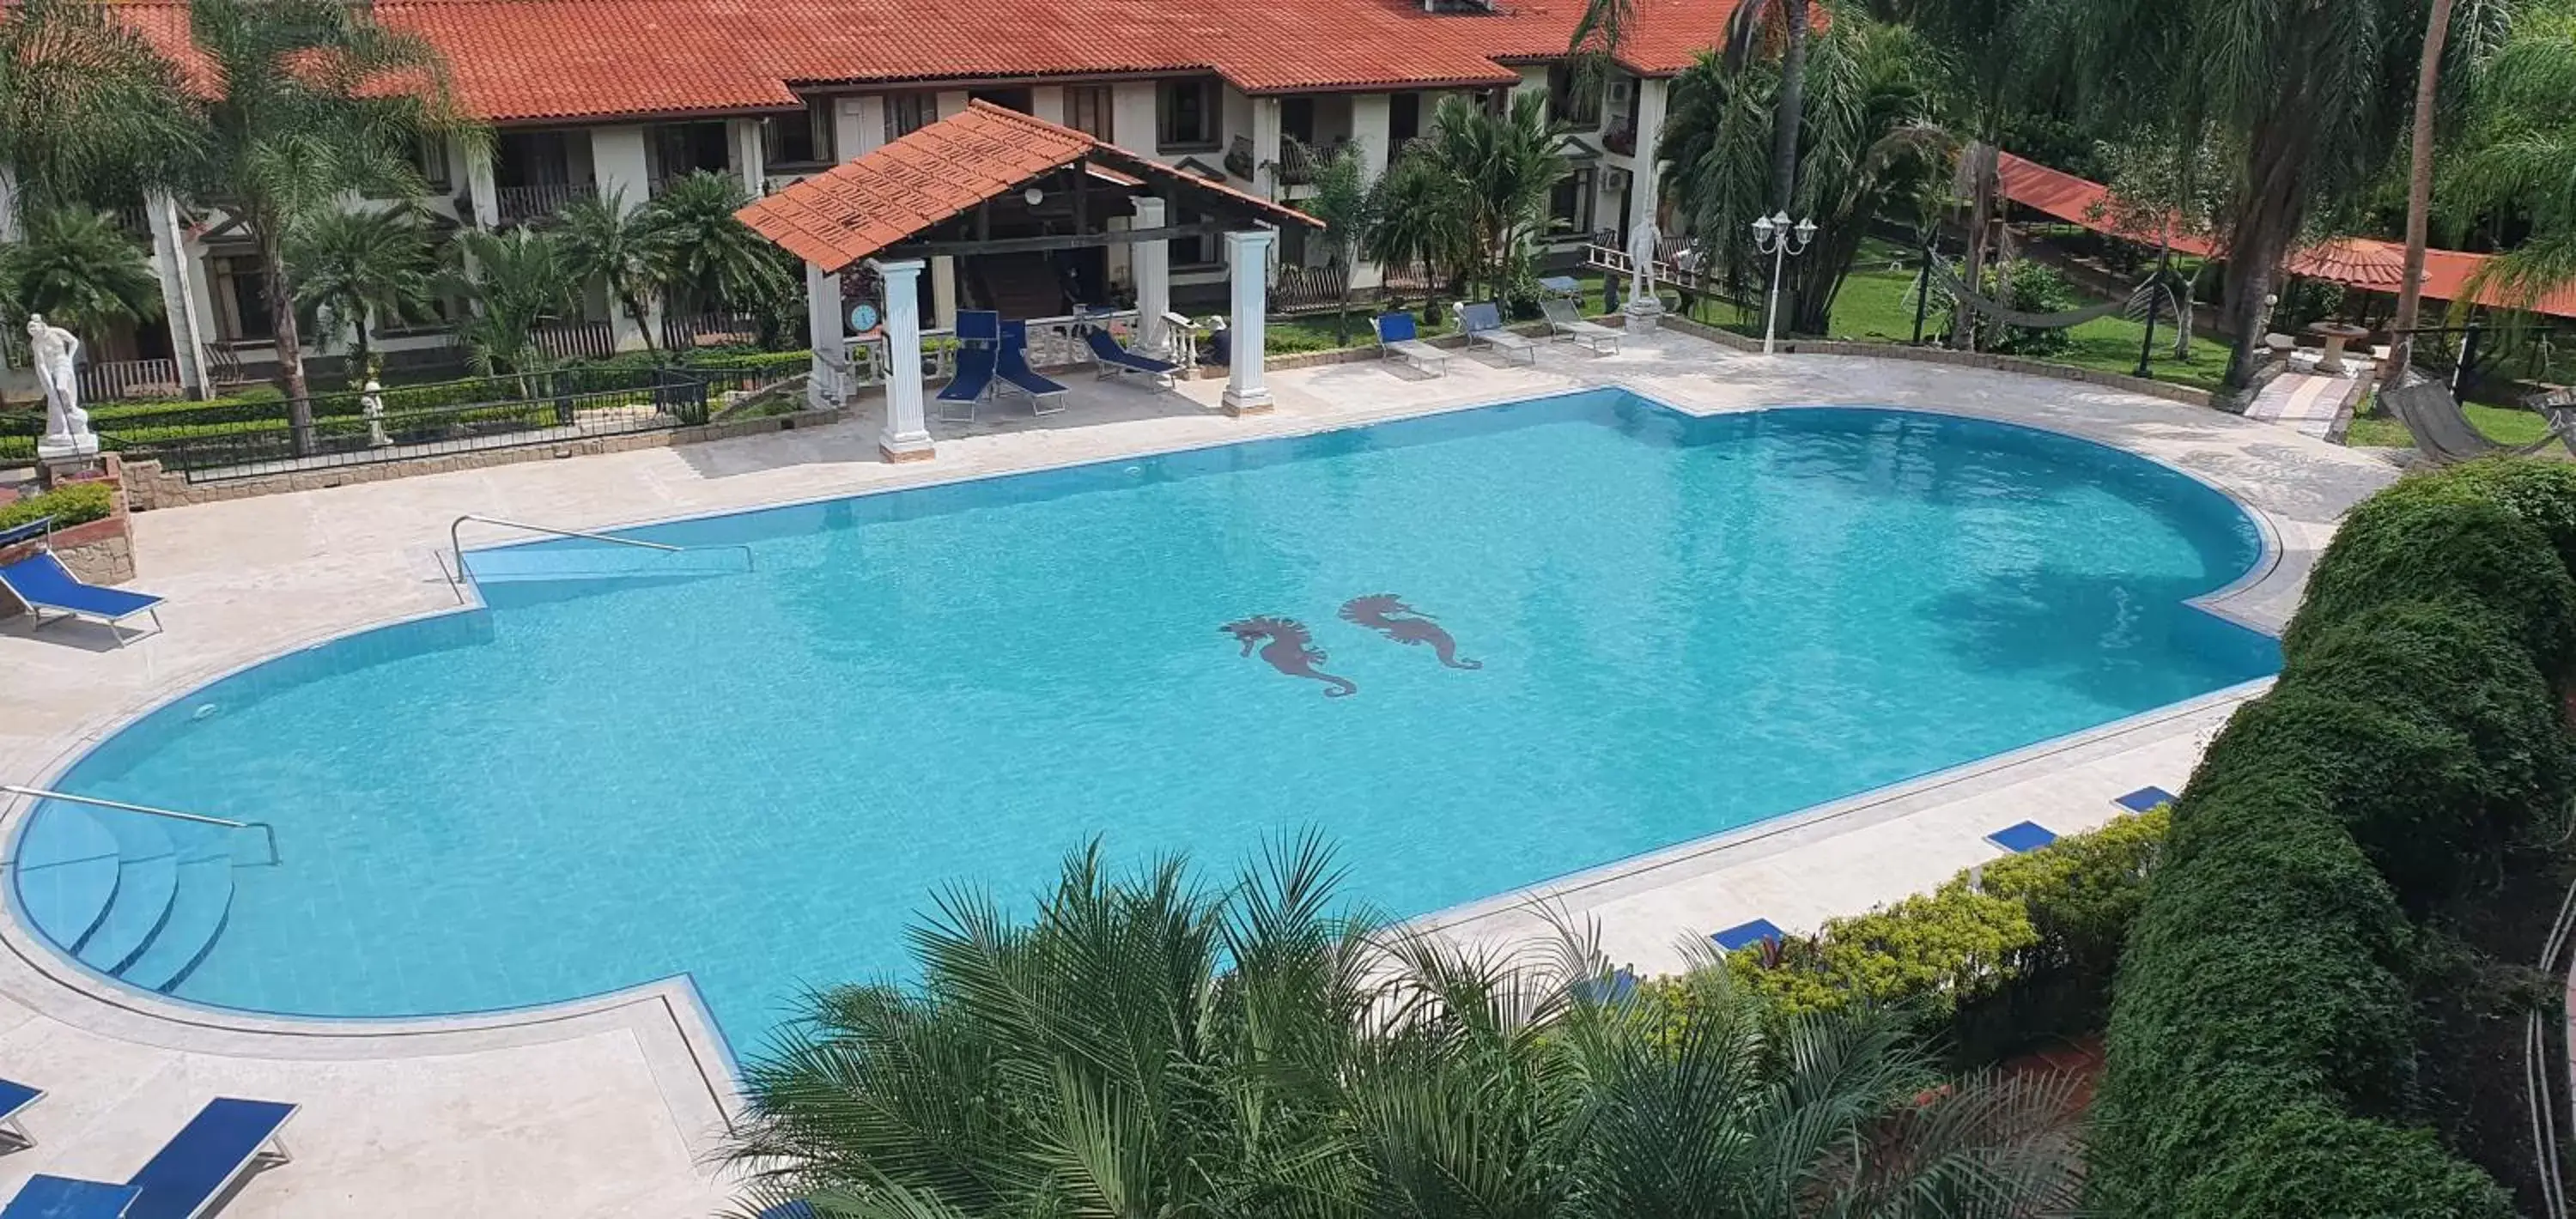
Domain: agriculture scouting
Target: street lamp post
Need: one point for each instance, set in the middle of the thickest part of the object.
(1775, 236)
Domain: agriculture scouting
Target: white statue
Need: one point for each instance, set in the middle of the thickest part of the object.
(56, 355)
(371, 403)
(1643, 304)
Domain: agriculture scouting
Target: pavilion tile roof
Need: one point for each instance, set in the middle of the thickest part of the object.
(860, 207)
(2355, 262)
(535, 60)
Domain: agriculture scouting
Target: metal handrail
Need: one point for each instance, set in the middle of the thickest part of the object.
(266, 830)
(456, 545)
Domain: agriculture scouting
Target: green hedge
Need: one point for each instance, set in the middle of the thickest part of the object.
(2472, 553)
(2261, 1050)
(2309, 1153)
(2055, 913)
(75, 504)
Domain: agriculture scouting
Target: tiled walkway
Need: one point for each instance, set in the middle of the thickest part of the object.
(607, 1108)
(2307, 403)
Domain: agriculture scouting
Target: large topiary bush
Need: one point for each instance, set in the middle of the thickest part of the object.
(2309, 1157)
(2471, 554)
(2541, 493)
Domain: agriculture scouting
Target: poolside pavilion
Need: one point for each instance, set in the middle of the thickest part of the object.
(991, 181)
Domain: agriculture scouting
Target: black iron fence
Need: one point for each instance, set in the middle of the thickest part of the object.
(215, 441)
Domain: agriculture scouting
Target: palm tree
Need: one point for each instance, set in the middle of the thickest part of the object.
(1602, 30)
(303, 103)
(698, 245)
(1990, 51)
(605, 240)
(1146, 1047)
(517, 282)
(88, 109)
(367, 268)
(2307, 95)
(1343, 199)
(2516, 152)
(1414, 218)
(1505, 166)
(80, 270)
(2481, 20)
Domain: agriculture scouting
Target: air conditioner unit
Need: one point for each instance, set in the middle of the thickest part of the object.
(1619, 95)
(1615, 180)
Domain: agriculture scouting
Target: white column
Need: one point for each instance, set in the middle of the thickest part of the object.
(1247, 257)
(1372, 134)
(479, 185)
(828, 386)
(624, 172)
(943, 292)
(170, 265)
(858, 126)
(906, 436)
(1047, 102)
(1265, 146)
(1132, 117)
(1152, 262)
(952, 102)
(749, 157)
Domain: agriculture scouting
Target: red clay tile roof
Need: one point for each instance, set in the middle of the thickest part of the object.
(527, 60)
(858, 208)
(2357, 262)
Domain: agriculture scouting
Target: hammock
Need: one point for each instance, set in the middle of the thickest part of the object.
(2155, 288)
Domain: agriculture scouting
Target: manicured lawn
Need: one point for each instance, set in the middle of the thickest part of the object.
(1873, 307)
(2503, 424)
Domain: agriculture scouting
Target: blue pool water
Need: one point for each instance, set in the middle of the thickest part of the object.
(1683, 626)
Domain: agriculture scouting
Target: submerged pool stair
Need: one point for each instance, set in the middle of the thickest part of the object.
(138, 896)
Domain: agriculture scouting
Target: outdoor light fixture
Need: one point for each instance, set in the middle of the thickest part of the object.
(1033, 196)
(1777, 237)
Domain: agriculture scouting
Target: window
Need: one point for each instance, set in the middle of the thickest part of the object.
(1569, 206)
(429, 156)
(909, 112)
(1403, 117)
(799, 139)
(1186, 114)
(1087, 109)
(241, 299)
(1297, 119)
(1569, 103)
(1198, 251)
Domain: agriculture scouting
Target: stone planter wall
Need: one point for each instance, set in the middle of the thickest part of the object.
(100, 552)
(152, 487)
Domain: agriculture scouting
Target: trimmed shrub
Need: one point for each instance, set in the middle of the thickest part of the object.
(69, 505)
(2471, 554)
(2261, 973)
(2542, 493)
(2082, 891)
(2310, 1161)
(2413, 794)
(1936, 949)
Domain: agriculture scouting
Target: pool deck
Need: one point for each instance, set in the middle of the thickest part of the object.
(609, 1107)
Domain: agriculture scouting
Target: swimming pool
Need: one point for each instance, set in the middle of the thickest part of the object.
(1552, 634)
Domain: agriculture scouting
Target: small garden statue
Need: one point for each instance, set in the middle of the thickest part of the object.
(1643, 304)
(371, 403)
(55, 353)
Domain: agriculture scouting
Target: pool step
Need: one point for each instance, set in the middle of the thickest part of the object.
(66, 874)
(599, 563)
(130, 895)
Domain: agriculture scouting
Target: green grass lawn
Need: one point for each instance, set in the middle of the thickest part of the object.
(1873, 308)
(2503, 423)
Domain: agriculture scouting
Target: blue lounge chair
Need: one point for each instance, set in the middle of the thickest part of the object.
(14, 1099)
(1483, 323)
(979, 340)
(1012, 367)
(1397, 336)
(1114, 358)
(195, 1170)
(46, 1197)
(42, 582)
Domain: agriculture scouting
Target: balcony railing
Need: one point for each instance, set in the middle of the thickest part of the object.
(577, 340)
(680, 332)
(1299, 162)
(1302, 289)
(113, 380)
(520, 204)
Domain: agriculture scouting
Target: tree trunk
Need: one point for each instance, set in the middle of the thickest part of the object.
(1788, 115)
(2419, 196)
(1981, 223)
(643, 315)
(289, 344)
(2267, 221)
